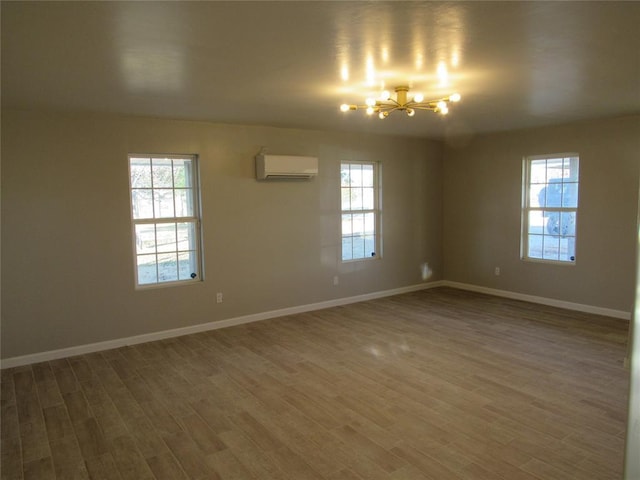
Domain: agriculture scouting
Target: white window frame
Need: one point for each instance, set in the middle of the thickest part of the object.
(152, 221)
(538, 211)
(375, 213)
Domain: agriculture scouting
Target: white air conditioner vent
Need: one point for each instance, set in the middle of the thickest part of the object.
(274, 167)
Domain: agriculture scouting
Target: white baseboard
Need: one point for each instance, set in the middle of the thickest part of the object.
(177, 332)
(607, 312)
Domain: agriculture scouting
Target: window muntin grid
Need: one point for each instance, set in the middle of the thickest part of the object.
(550, 208)
(360, 212)
(165, 217)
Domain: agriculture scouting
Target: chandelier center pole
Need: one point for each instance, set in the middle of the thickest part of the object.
(401, 95)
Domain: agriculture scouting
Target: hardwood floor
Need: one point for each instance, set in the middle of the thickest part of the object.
(439, 384)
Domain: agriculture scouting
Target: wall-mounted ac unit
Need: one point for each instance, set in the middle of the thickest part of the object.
(272, 167)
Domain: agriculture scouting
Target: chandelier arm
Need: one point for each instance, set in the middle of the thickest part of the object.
(388, 108)
(432, 102)
(424, 107)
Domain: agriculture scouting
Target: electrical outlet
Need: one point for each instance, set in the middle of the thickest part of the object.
(219, 297)
(496, 271)
(336, 280)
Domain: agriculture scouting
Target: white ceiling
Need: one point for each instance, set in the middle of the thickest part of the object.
(516, 64)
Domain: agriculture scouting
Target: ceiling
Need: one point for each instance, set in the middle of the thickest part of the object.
(291, 64)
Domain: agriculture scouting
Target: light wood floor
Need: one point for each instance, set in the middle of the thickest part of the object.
(440, 384)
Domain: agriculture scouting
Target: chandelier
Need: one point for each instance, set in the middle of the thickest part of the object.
(384, 105)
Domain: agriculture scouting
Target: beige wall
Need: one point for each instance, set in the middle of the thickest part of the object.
(67, 267)
(482, 180)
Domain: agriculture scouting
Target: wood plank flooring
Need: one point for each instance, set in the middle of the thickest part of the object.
(439, 384)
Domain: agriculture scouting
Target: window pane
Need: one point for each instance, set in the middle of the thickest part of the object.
(536, 222)
(538, 171)
(552, 225)
(347, 228)
(555, 169)
(358, 247)
(370, 245)
(140, 171)
(346, 199)
(163, 203)
(550, 247)
(568, 224)
(186, 236)
(369, 223)
(570, 195)
(535, 246)
(182, 173)
(142, 203)
(553, 193)
(358, 223)
(537, 195)
(162, 172)
(568, 249)
(147, 272)
(356, 175)
(167, 267)
(356, 199)
(145, 239)
(367, 199)
(184, 203)
(571, 169)
(347, 248)
(187, 265)
(367, 175)
(344, 175)
(166, 237)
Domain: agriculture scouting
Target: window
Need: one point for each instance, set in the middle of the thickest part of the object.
(550, 208)
(165, 217)
(359, 185)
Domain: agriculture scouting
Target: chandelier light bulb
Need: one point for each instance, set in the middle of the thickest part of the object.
(385, 95)
(411, 112)
(370, 101)
(370, 110)
(442, 105)
(444, 110)
(455, 97)
(344, 107)
(418, 97)
(383, 115)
